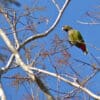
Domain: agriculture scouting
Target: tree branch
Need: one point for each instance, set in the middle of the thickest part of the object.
(55, 3)
(67, 81)
(44, 34)
(88, 23)
(23, 65)
(12, 25)
(37, 36)
(2, 94)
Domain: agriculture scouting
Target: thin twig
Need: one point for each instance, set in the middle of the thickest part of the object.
(88, 23)
(56, 4)
(2, 93)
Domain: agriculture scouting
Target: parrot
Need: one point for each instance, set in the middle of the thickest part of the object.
(75, 38)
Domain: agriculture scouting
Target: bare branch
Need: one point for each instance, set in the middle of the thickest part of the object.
(2, 94)
(88, 78)
(22, 64)
(67, 81)
(12, 25)
(55, 3)
(37, 36)
(17, 56)
(88, 23)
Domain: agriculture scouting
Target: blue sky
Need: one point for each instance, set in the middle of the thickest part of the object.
(74, 12)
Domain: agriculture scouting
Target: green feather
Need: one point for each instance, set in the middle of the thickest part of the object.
(75, 37)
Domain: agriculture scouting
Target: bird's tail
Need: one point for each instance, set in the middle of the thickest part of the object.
(85, 52)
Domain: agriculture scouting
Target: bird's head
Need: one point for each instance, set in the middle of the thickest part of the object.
(66, 28)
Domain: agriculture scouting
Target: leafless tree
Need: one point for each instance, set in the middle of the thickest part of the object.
(40, 64)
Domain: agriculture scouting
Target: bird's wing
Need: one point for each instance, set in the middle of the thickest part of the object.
(79, 36)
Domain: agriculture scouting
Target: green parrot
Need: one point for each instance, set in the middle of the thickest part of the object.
(75, 38)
